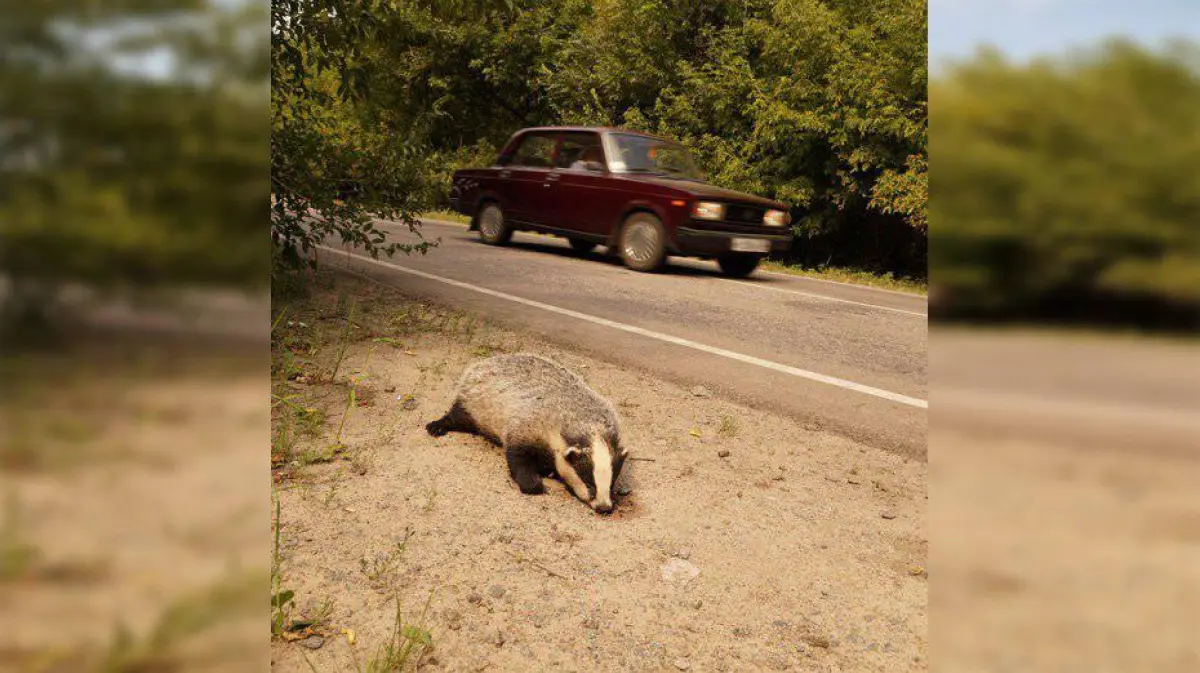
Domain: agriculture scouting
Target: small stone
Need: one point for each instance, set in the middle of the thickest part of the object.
(624, 490)
(888, 515)
(781, 623)
(723, 453)
(684, 554)
(454, 620)
(474, 598)
(701, 391)
(698, 604)
(741, 631)
(409, 404)
(496, 591)
(778, 477)
(682, 664)
(679, 571)
(390, 389)
(313, 642)
(817, 641)
(497, 637)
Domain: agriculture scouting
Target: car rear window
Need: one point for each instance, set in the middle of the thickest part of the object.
(535, 150)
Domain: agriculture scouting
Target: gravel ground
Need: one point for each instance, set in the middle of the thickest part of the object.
(745, 541)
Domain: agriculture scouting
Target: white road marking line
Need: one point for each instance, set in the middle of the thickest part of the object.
(802, 293)
(828, 298)
(679, 341)
(1066, 409)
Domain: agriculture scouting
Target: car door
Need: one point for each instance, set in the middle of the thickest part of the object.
(529, 201)
(580, 186)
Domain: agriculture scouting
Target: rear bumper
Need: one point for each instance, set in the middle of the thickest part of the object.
(709, 243)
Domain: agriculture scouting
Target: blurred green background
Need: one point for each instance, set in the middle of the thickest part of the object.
(1067, 188)
(133, 146)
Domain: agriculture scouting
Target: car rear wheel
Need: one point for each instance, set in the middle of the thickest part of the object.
(643, 242)
(581, 246)
(738, 265)
(493, 228)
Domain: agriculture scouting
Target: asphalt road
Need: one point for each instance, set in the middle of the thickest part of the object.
(1082, 391)
(846, 358)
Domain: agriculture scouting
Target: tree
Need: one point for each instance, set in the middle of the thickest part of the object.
(821, 104)
(117, 174)
(1068, 182)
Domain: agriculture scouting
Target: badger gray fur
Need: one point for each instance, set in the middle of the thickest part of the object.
(548, 420)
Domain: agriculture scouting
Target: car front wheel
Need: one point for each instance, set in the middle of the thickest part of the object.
(738, 265)
(643, 242)
(493, 228)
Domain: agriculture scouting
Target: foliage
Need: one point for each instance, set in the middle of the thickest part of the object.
(821, 104)
(337, 164)
(112, 174)
(1068, 182)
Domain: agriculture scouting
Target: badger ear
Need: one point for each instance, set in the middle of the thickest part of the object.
(572, 451)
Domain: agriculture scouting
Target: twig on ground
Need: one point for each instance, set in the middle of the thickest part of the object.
(550, 571)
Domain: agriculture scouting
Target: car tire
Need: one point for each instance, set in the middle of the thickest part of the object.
(738, 265)
(643, 242)
(581, 246)
(493, 226)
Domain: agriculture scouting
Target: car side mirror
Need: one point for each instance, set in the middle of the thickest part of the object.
(593, 166)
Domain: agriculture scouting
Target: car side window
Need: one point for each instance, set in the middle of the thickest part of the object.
(578, 149)
(536, 150)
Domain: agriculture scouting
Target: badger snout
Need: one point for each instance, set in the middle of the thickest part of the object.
(603, 507)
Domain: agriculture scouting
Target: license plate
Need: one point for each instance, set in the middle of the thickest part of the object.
(750, 245)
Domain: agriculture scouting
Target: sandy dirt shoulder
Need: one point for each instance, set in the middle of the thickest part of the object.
(133, 535)
(810, 549)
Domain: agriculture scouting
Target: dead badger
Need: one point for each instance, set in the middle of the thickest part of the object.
(548, 421)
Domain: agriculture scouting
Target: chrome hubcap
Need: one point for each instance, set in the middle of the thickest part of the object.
(641, 239)
(491, 222)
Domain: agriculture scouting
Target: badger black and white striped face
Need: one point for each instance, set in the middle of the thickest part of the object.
(597, 465)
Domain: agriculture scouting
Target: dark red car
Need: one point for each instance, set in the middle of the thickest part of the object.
(635, 193)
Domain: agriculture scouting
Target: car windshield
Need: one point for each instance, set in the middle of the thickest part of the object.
(641, 154)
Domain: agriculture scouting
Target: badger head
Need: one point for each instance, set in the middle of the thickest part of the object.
(598, 465)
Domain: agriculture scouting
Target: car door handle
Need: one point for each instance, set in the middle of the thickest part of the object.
(505, 173)
(553, 177)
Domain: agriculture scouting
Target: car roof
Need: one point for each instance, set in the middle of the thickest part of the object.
(590, 129)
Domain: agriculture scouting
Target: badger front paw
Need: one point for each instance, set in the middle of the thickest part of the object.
(532, 488)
